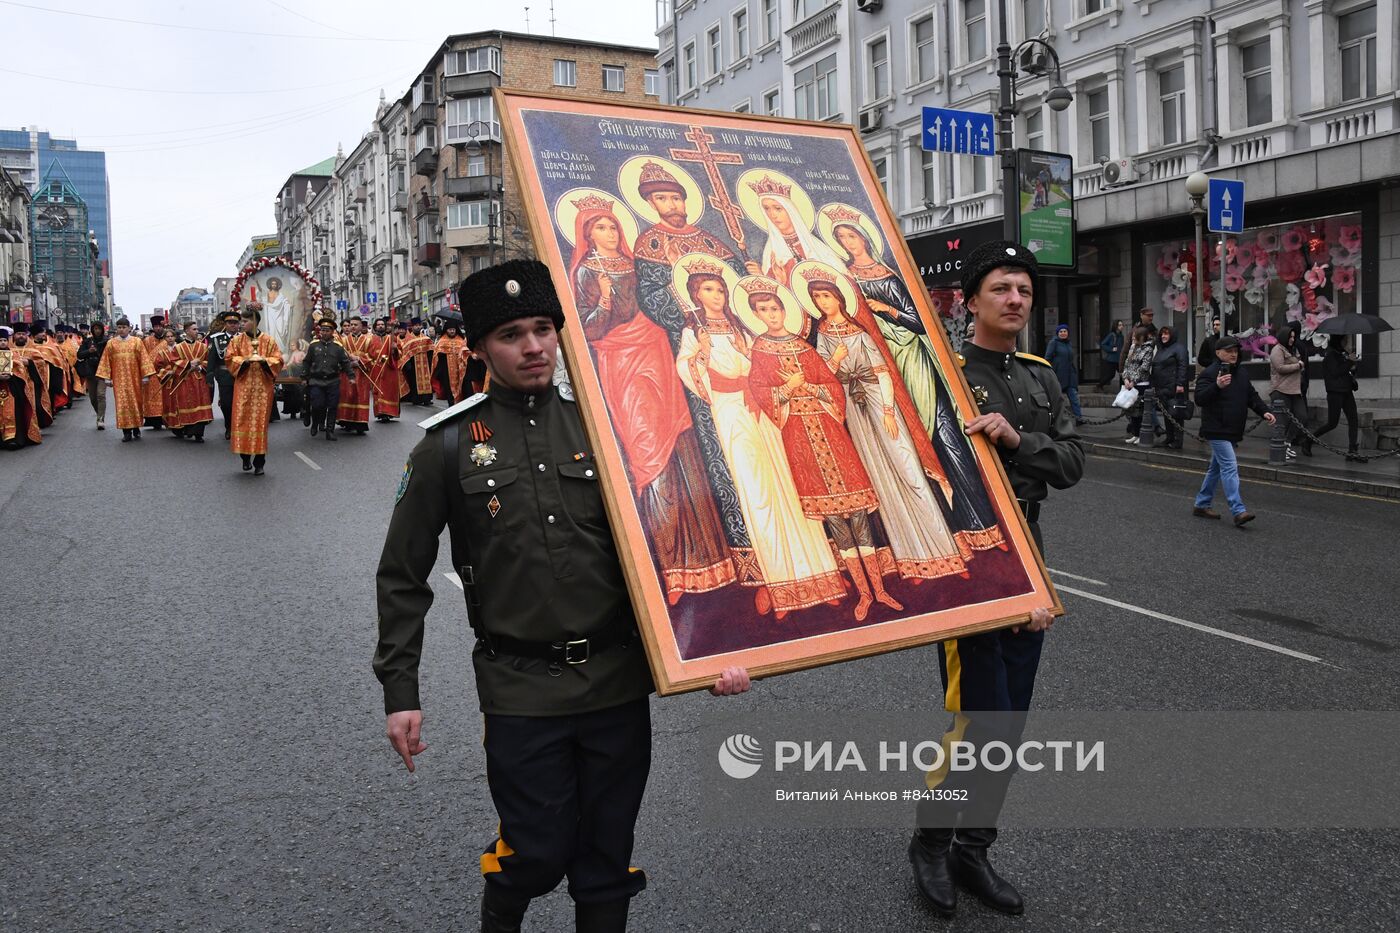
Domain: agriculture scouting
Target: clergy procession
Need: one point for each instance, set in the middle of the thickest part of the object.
(171, 378)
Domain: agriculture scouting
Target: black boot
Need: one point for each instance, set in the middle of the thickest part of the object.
(609, 917)
(258, 461)
(501, 910)
(975, 873)
(928, 853)
(247, 462)
(316, 424)
(126, 435)
(330, 432)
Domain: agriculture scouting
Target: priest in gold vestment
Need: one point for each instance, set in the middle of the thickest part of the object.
(254, 358)
(127, 366)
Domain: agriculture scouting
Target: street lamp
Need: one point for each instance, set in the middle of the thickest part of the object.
(1197, 184)
(1058, 98)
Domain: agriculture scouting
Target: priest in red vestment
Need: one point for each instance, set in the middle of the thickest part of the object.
(383, 363)
(255, 359)
(353, 413)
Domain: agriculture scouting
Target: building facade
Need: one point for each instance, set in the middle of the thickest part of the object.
(193, 304)
(1297, 98)
(65, 254)
(16, 284)
(426, 198)
(265, 245)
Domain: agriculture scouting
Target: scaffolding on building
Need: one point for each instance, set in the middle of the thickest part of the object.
(64, 252)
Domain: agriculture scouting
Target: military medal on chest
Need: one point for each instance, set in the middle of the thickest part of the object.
(483, 454)
(493, 506)
(979, 395)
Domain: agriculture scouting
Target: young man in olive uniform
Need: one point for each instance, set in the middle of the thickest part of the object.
(326, 361)
(218, 371)
(560, 668)
(1029, 422)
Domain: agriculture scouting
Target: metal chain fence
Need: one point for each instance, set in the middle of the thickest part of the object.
(1357, 458)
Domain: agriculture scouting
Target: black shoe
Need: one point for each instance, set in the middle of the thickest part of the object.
(314, 428)
(228, 433)
(330, 435)
(1353, 456)
(976, 874)
(199, 438)
(928, 853)
(126, 436)
(135, 434)
(1307, 447)
(502, 911)
(257, 471)
(610, 917)
(247, 462)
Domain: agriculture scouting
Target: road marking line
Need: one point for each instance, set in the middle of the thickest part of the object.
(455, 580)
(1260, 482)
(307, 460)
(1163, 617)
(1075, 576)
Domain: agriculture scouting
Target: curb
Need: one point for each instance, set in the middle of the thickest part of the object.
(1270, 474)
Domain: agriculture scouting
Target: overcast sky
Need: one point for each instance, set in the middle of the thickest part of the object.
(265, 87)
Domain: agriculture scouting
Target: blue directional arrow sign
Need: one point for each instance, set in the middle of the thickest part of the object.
(963, 132)
(372, 298)
(1225, 206)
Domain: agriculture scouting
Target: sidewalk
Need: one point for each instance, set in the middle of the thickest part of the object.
(1323, 470)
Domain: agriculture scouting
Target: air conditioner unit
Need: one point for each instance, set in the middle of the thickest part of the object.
(1118, 172)
(869, 6)
(871, 120)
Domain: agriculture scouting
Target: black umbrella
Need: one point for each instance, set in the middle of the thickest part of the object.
(1354, 324)
(449, 315)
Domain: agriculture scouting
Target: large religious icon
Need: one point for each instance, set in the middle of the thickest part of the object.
(777, 415)
(289, 294)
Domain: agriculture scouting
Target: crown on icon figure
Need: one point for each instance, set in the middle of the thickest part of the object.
(769, 185)
(840, 212)
(704, 267)
(819, 274)
(593, 202)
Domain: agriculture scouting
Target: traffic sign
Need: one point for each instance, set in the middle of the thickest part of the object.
(373, 298)
(1225, 206)
(963, 132)
(342, 304)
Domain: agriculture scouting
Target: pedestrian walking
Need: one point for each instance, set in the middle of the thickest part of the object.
(1146, 316)
(1137, 374)
(128, 367)
(1286, 386)
(219, 376)
(326, 361)
(1110, 353)
(560, 669)
(1060, 355)
(1028, 421)
(89, 355)
(1339, 376)
(254, 358)
(1225, 396)
(1168, 377)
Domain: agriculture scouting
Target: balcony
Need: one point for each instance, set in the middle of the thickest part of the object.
(428, 254)
(426, 203)
(361, 192)
(813, 32)
(1255, 144)
(398, 201)
(471, 186)
(475, 83)
(1089, 181)
(426, 162)
(425, 112)
(1166, 164)
(1355, 120)
(397, 157)
(464, 237)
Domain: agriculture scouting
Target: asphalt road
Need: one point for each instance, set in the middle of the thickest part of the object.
(194, 739)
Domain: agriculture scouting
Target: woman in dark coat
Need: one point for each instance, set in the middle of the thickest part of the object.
(1338, 374)
(1169, 372)
(89, 354)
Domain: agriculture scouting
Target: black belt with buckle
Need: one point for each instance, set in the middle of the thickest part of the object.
(1029, 509)
(559, 653)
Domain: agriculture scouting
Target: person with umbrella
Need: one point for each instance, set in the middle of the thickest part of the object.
(1339, 371)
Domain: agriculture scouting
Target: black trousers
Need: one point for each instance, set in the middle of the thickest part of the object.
(567, 790)
(994, 673)
(224, 380)
(292, 400)
(1298, 407)
(323, 398)
(1337, 403)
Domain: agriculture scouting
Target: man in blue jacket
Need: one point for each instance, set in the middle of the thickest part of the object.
(1225, 397)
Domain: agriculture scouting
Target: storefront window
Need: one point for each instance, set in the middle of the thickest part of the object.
(1303, 272)
(950, 311)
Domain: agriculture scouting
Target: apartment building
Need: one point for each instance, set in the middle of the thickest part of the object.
(1297, 98)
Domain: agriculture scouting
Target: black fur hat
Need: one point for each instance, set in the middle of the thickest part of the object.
(515, 289)
(998, 254)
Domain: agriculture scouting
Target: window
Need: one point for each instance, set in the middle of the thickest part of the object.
(688, 67)
(1098, 125)
(882, 172)
(398, 178)
(425, 138)
(877, 72)
(743, 106)
(714, 57)
(463, 214)
(470, 61)
(741, 34)
(773, 102)
(1093, 6)
(1171, 85)
(975, 28)
(613, 77)
(1258, 83)
(1356, 32)
(815, 90)
(476, 166)
(472, 118)
(1033, 17)
(981, 175)
(423, 92)
(770, 21)
(652, 81)
(565, 73)
(801, 9)
(927, 160)
(1035, 129)
(923, 57)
